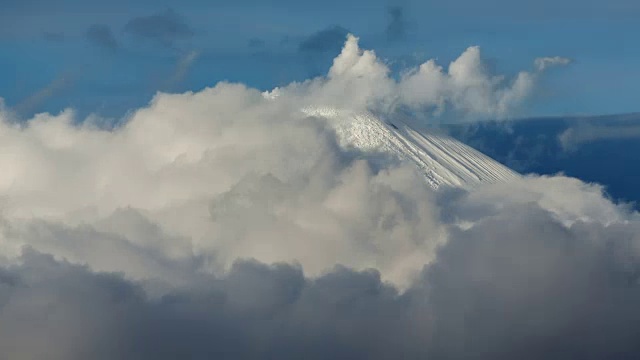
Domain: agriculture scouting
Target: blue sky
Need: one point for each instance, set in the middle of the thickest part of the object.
(109, 57)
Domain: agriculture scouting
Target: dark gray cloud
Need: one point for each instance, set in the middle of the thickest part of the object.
(517, 286)
(165, 27)
(256, 311)
(102, 36)
(327, 40)
(523, 286)
(397, 26)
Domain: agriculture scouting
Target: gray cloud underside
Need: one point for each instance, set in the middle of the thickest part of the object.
(520, 285)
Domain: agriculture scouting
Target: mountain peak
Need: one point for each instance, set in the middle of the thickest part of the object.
(443, 160)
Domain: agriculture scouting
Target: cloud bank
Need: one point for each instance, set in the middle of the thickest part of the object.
(226, 223)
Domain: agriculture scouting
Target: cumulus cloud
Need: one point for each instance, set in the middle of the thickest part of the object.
(465, 91)
(228, 223)
(228, 158)
(467, 87)
(543, 63)
(101, 36)
(518, 282)
(164, 28)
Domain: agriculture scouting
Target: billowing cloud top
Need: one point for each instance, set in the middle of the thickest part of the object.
(465, 91)
(228, 224)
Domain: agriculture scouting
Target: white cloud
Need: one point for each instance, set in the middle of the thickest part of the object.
(226, 173)
(543, 63)
(467, 88)
(466, 91)
(353, 258)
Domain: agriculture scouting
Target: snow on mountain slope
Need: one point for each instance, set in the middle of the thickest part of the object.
(444, 160)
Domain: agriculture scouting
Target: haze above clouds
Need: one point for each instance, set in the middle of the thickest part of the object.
(227, 223)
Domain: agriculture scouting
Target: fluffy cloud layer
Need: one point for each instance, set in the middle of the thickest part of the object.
(228, 224)
(465, 91)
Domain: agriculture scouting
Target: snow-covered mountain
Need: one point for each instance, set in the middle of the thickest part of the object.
(442, 159)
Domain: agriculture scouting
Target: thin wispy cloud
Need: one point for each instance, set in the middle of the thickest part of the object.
(544, 63)
(255, 43)
(34, 101)
(397, 26)
(578, 135)
(102, 36)
(166, 28)
(53, 36)
(182, 68)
